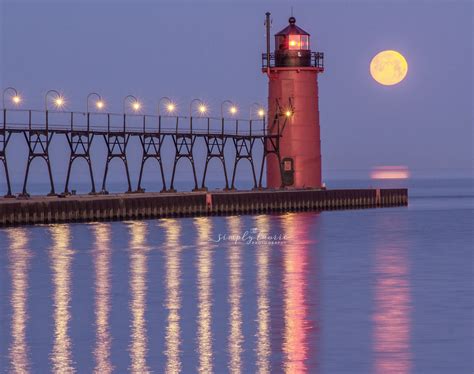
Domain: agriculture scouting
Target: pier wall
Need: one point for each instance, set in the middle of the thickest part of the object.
(87, 208)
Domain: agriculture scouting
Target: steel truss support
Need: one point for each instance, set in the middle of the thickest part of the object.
(116, 148)
(184, 144)
(4, 138)
(271, 141)
(215, 148)
(243, 150)
(271, 145)
(38, 146)
(38, 135)
(79, 144)
(151, 146)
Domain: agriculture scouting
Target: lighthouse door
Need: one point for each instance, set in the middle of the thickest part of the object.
(287, 171)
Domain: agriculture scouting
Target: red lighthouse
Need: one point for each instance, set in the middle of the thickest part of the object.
(293, 109)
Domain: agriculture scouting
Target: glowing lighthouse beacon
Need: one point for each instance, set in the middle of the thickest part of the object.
(293, 109)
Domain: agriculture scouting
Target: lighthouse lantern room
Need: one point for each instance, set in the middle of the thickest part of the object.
(292, 46)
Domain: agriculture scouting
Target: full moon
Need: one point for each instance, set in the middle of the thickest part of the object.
(388, 67)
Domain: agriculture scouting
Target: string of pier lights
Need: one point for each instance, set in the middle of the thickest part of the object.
(55, 98)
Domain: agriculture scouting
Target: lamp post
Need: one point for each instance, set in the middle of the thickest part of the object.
(58, 99)
(16, 98)
(136, 105)
(202, 107)
(232, 109)
(99, 104)
(170, 106)
(257, 108)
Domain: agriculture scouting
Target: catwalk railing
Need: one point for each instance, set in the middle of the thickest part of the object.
(80, 129)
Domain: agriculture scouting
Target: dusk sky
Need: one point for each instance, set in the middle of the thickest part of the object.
(212, 50)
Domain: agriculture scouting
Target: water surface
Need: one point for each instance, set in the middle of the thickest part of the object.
(379, 290)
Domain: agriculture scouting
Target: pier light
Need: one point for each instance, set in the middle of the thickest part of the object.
(232, 108)
(288, 113)
(59, 102)
(99, 103)
(15, 96)
(56, 98)
(202, 108)
(169, 105)
(257, 109)
(134, 103)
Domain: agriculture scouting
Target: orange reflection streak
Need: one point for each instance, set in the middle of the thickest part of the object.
(19, 256)
(295, 341)
(391, 335)
(235, 294)
(173, 295)
(138, 287)
(61, 256)
(263, 306)
(204, 275)
(390, 172)
(102, 254)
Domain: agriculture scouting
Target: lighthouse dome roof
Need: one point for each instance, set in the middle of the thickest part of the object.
(292, 29)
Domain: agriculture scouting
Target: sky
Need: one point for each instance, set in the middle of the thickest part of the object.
(212, 50)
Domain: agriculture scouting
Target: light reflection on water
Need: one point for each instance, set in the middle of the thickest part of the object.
(173, 295)
(138, 290)
(102, 253)
(204, 279)
(235, 339)
(19, 259)
(297, 326)
(61, 255)
(392, 305)
(263, 348)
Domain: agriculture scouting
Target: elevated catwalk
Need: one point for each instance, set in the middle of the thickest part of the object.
(89, 208)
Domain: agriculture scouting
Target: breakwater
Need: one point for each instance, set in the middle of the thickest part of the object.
(88, 208)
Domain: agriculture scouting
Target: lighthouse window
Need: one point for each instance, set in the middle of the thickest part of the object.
(294, 42)
(304, 42)
(297, 42)
(281, 42)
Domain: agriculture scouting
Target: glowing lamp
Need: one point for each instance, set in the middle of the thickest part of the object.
(261, 112)
(288, 113)
(99, 104)
(16, 99)
(233, 110)
(59, 102)
(136, 106)
(171, 107)
(202, 109)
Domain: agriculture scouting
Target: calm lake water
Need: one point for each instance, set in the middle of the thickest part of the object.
(380, 290)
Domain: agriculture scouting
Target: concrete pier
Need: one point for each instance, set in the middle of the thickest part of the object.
(88, 208)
